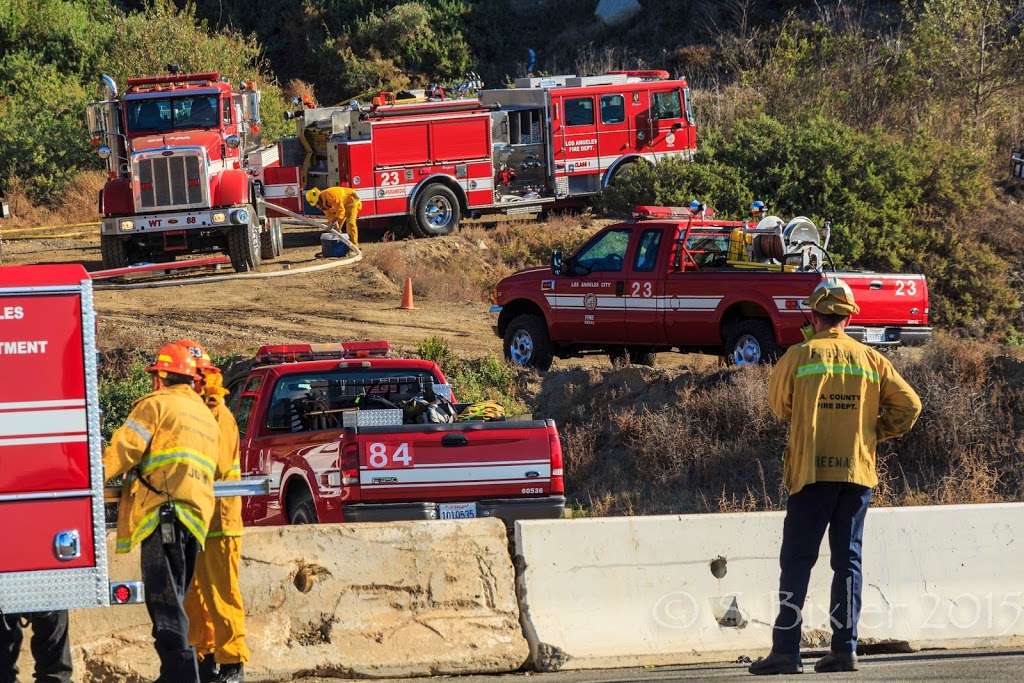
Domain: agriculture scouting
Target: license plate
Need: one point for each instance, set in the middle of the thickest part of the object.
(456, 510)
(874, 334)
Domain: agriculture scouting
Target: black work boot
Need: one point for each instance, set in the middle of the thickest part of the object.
(836, 661)
(231, 673)
(207, 669)
(775, 664)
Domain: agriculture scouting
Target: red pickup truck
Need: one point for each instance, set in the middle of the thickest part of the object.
(678, 280)
(325, 424)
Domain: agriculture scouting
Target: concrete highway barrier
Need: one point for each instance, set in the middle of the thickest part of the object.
(678, 589)
(366, 600)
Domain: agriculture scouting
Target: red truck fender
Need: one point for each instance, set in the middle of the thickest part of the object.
(522, 306)
(442, 179)
(750, 305)
(231, 188)
(116, 198)
(620, 165)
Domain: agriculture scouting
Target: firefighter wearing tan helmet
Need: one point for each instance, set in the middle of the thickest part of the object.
(216, 615)
(340, 205)
(841, 398)
(168, 447)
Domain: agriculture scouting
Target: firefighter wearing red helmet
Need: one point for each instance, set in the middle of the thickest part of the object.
(216, 615)
(168, 449)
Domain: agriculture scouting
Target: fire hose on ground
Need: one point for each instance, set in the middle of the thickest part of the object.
(355, 257)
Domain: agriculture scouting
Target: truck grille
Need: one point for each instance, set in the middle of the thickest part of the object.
(172, 181)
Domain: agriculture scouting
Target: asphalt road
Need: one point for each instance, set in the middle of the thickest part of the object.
(934, 665)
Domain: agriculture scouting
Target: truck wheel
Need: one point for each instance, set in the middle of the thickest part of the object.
(114, 251)
(272, 241)
(527, 343)
(244, 247)
(437, 211)
(300, 508)
(751, 342)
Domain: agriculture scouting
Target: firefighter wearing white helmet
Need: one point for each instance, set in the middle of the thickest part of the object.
(841, 398)
(340, 205)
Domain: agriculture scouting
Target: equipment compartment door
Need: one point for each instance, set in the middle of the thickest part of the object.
(51, 488)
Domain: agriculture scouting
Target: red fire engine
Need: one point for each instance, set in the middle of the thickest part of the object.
(51, 469)
(522, 149)
(184, 164)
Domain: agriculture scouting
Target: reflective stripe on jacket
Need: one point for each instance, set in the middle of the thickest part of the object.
(841, 398)
(227, 515)
(171, 437)
(336, 201)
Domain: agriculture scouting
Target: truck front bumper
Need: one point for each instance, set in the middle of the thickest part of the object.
(888, 336)
(508, 509)
(175, 220)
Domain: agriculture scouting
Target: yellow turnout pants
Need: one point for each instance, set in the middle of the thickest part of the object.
(216, 618)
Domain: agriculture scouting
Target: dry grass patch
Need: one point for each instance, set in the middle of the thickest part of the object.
(78, 204)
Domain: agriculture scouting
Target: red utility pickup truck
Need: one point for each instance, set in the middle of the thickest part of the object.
(321, 422)
(676, 279)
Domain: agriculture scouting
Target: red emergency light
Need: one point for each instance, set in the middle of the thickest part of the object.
(292, 353)
(646, 74)
(206, 76)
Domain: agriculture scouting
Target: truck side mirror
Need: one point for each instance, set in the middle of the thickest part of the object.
(556, 262)
(677, 126)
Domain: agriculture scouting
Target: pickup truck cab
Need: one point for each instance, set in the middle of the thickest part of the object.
(675, 279)
(320, 421)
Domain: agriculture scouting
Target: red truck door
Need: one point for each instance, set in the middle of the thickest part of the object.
(694, 288)
(645, 287)
(590, 301)
(53, 554)
(613, 129)
(669, 129)
(576, 152)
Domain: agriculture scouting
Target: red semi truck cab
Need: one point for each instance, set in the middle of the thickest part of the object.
(320, 422)
(544, 142)
(679, 280)
(185, 170)
(54, 553)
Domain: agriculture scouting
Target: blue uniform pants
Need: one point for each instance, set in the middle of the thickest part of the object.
(841, 507)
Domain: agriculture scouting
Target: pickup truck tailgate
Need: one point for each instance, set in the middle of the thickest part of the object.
(454, 462)
(886, 299)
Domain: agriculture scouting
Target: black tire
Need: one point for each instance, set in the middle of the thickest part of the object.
(631, 356)
(271, 241)
(751, 342)
(244, 247)
(437, 212)
(301, 509)
(114, 251)
(527, 343)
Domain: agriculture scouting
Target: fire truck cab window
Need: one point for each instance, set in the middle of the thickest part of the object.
(714, 250)
(525, 128)
(242, 413)
(613, 109)
(579, 111)
(160, 114)
(226, 108)
(604, 255)
(312, 402)
(667, 105)
(647, 251)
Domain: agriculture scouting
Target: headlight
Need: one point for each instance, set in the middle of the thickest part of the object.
(103, 152)
(240, 217)
(127, 225)
(218, 217)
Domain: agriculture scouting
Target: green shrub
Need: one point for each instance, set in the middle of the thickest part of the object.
(487, 378)
(119, 390)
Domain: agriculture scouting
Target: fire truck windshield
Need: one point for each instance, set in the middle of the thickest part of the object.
(172, 113)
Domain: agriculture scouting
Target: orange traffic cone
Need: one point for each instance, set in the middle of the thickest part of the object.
(407, 304)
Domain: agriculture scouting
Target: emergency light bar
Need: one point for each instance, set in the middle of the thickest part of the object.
(645, 74)
(696, 220)
(292, 353)
(174, 78)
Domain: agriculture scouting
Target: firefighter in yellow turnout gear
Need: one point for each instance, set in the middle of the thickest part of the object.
(214, 603)
(339, 204)
(168, 448)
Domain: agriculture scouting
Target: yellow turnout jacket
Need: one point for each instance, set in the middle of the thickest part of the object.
(227, 516)
(841, 398)
(173, 440)
(336, 201)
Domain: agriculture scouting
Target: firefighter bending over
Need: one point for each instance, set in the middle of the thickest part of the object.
(50, 646)
(841, 398)
(339, 204)
(216, 616)
(167, 447)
